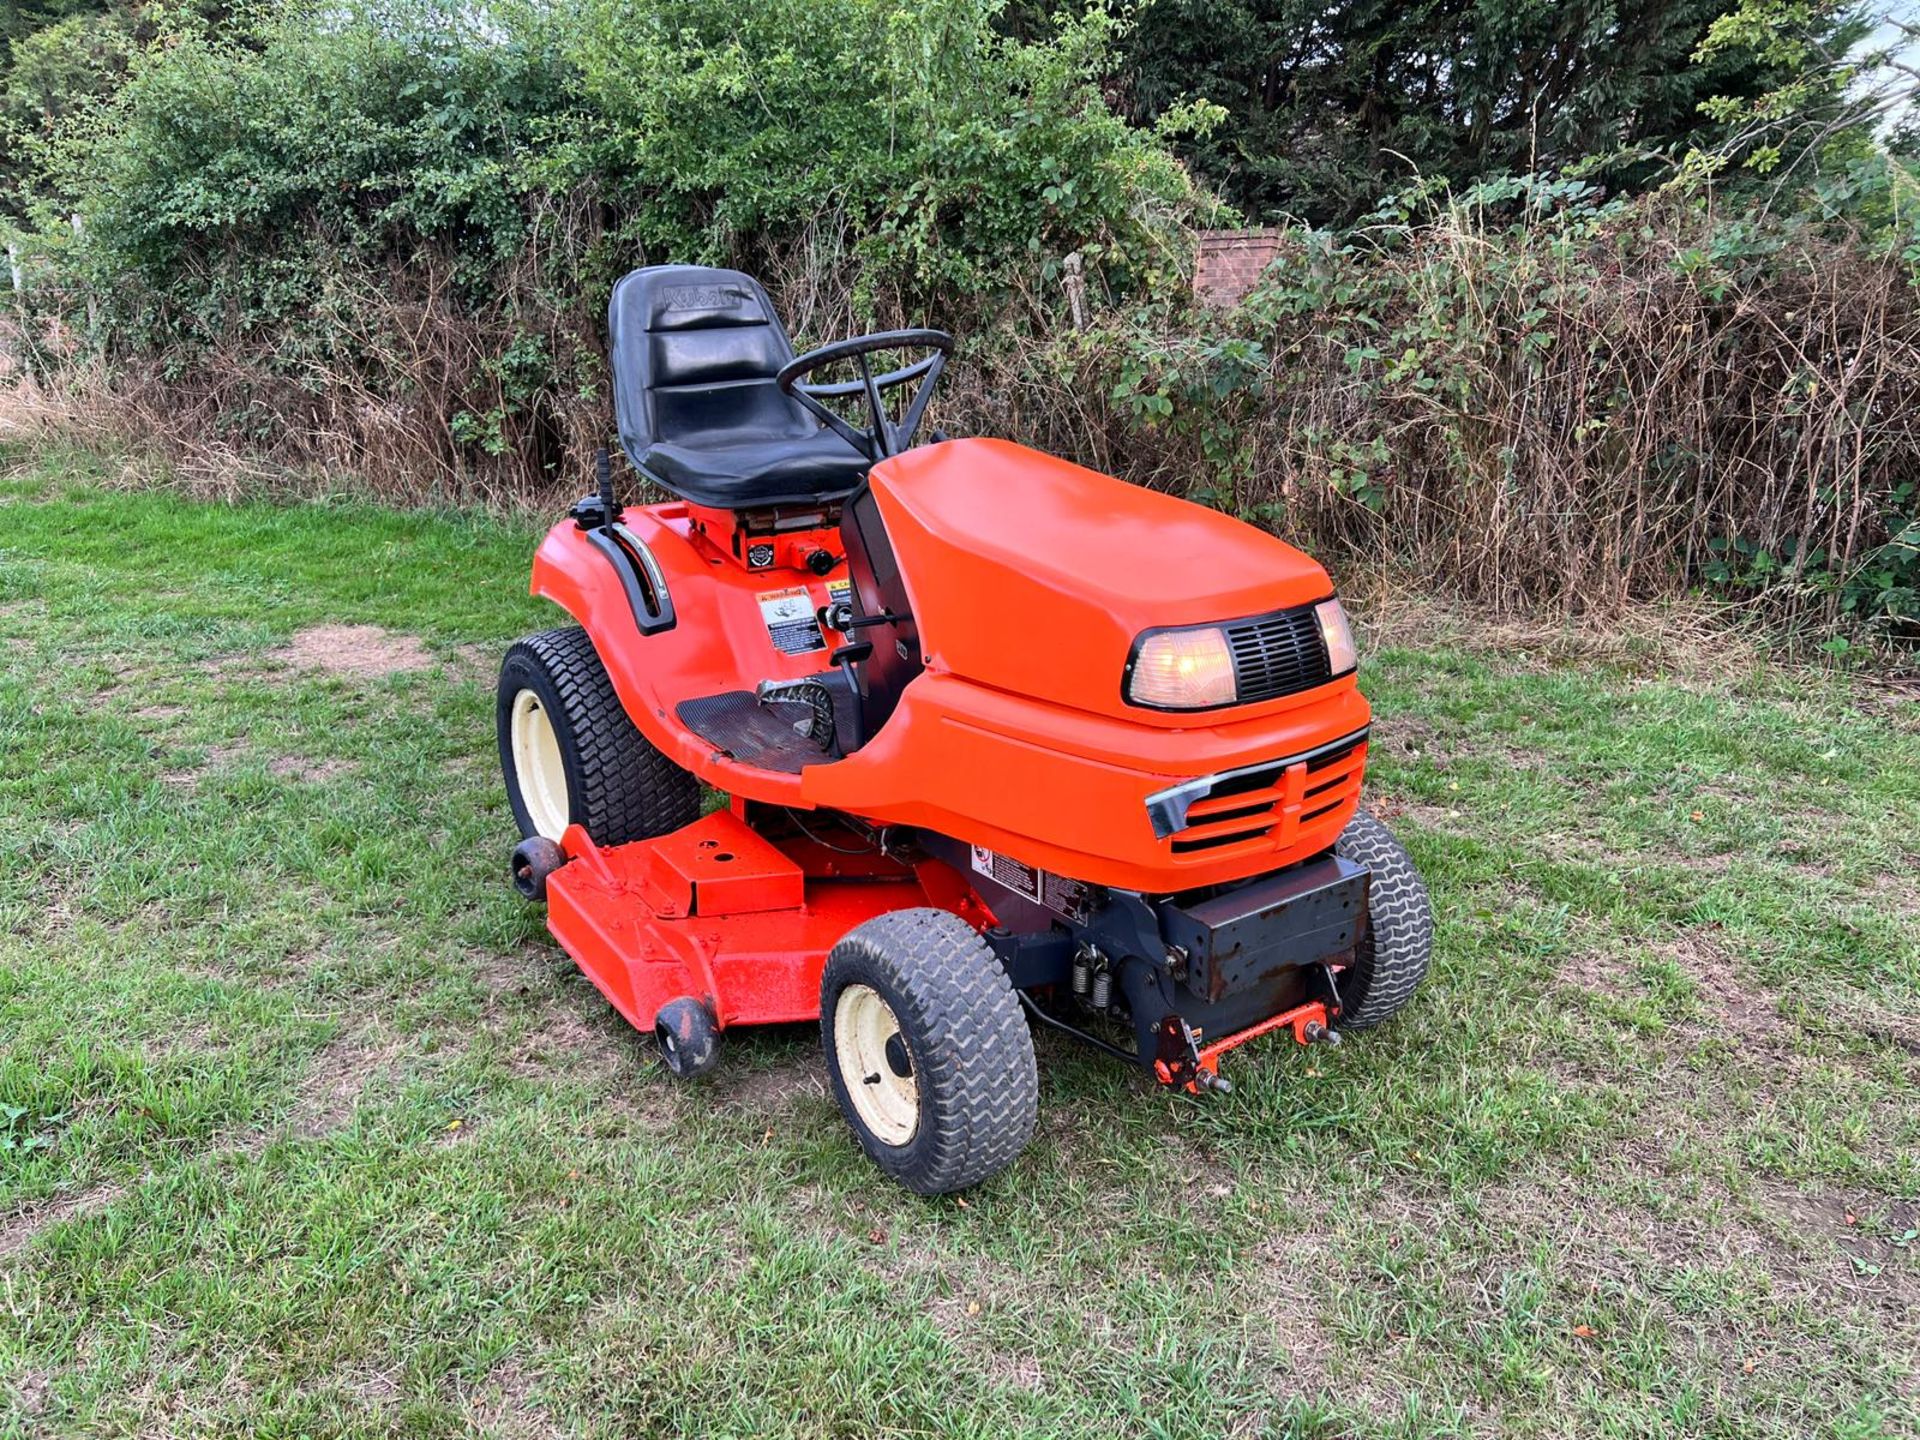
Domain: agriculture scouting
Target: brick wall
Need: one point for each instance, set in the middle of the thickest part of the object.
(1230, 261)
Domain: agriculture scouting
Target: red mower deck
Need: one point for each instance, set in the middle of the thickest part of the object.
(717, 912)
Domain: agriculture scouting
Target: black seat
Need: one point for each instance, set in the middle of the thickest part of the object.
(695, 351)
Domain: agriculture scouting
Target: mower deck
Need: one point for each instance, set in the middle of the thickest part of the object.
(718, 912)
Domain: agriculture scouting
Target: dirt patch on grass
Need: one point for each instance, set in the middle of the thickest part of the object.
(1646, 1240)
(1893, 698)
(30, 1392)
(1283, 1310)
(309, 772)
(567, 1041)
(1599, 971)
(1394, 810)
(976, 1305)
(219, 757)
(544, 1027)
(1898, 894)
(335, 1079)
(359, 652)
(478, 662)
(1740, 1009)
(769, 1088)
(371, 1386)
(1855, 1245)
(19, 1229)
(1901, 1031)
(1746, 1011)
(502, 1406)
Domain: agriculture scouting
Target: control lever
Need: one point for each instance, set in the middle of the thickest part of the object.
(846, 657)
(839, 616)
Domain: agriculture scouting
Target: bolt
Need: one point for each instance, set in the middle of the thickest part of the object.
(1213, 1080)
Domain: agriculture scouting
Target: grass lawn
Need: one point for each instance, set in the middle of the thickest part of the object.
(307, 1128)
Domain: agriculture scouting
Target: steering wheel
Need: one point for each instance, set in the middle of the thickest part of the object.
(882, 437)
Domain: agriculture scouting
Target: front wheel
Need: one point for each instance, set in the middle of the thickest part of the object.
(1392, 957)
(928, 1050)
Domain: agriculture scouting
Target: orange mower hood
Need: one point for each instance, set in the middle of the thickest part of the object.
(1035, 576)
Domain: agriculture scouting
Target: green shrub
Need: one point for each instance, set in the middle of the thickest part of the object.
(340, 231)
(1529, 393)
(961, 160)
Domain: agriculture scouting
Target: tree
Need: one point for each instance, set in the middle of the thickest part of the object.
(53, 55)
(1327, 103)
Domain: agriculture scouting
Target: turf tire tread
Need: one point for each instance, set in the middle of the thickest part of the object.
(1393, 958)
(972, 1047)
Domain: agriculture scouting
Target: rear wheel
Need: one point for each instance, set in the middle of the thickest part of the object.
(1392, 957)
(928, 1050)
(571, 756)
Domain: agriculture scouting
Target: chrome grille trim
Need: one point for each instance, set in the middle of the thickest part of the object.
(1167, 809)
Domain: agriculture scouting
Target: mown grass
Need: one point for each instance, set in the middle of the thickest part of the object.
(310, 1130)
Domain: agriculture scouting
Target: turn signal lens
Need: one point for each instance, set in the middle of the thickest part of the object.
(1183, 670)
(1341, 656)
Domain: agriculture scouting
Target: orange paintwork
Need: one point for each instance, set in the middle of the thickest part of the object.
(655, 920)
(1034, 576)
(1029, 579)
(1298, 1020)
(791, 548)
(719, 643)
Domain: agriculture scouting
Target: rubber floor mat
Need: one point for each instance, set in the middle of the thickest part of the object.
(760, 735)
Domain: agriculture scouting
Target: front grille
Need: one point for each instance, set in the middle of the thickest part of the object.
(1262, 805)
(1278, 654)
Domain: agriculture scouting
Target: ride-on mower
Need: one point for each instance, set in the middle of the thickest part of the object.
(1003, 740)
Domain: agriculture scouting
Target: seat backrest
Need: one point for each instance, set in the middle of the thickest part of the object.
(694, 354)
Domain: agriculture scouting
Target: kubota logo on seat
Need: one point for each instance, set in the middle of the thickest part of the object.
(705, 297)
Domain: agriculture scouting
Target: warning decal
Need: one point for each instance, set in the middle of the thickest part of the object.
(1063, 896)
(789, 619)
(1021, 879)
(1056, 892)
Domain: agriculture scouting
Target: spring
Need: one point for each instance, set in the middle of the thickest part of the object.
(1102, 993)
(1082, 972)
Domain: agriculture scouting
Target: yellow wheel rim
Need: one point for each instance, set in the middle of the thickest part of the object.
(875, 1065)
(538, 771)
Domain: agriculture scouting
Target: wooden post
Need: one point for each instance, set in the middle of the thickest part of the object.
(1076, 284)
(25, 354)
(93, 301)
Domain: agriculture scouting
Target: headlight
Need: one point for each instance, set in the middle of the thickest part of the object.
(1341, 656)
(1183, 670)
